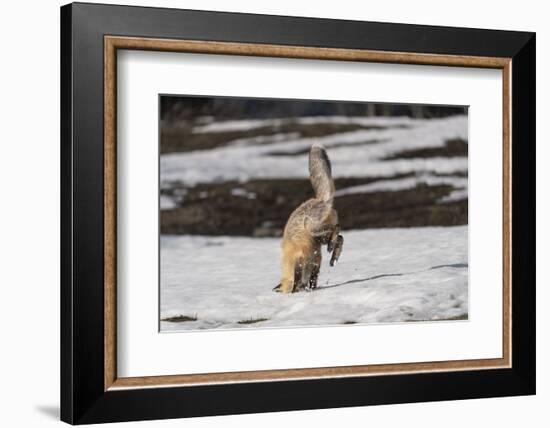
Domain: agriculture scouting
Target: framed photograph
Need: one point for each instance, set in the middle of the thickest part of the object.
(266, 213)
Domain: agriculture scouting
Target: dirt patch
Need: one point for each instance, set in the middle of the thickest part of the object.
(414, 207)
(261, 208)
(453, 148)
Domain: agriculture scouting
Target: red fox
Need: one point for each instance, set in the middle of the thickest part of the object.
(313, 224)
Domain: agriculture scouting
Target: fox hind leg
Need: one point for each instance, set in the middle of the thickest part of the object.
(312, 272)
(299, 274)
(312, 285)
(306, 275)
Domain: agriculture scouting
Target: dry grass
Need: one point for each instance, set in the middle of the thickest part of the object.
(461, 317)
(181, 318)
(252, 321)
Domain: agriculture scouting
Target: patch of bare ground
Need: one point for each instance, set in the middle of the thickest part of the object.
(453, 148)
(261, 207)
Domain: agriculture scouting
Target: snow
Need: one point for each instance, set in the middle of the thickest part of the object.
(264, 139)
(359, 120)
(455, 195)
(167, 202)
(243, 193)
(410, 183)
(236, 125)
(250, 124)
(384, 275)
(359, 153)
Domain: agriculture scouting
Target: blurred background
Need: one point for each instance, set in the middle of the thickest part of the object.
(238, 166)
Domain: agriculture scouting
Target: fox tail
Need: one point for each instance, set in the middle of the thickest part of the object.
(320, 173)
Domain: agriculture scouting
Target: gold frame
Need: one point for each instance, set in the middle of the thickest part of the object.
(113, 43)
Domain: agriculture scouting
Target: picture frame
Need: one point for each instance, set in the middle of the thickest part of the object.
(91, 390)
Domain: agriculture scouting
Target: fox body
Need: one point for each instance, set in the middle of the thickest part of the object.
(311, 226)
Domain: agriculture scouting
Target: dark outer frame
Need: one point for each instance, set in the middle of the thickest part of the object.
(83, 396)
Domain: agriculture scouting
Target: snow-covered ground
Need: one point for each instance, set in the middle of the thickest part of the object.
(359, 153)
(384, 275)
(248, 124)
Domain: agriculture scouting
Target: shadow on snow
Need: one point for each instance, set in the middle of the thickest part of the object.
(371, 278)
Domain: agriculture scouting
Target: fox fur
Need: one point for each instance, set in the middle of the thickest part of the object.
(310, 226)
